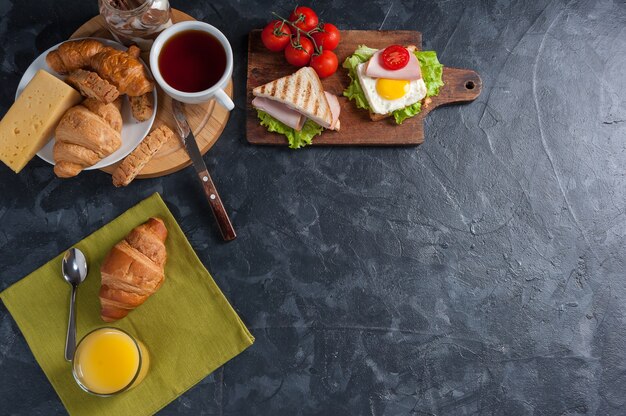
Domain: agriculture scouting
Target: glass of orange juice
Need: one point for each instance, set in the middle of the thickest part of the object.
(109, 361)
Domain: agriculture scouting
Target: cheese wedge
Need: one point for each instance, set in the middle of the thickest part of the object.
(29, 123)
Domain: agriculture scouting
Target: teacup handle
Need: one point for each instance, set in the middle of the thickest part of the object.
(224, 99)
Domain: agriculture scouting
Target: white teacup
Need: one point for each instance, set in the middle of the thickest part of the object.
(216, 91)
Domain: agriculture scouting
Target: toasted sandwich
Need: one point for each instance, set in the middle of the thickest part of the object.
(297, 106)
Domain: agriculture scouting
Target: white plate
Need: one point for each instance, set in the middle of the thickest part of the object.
(133, 131)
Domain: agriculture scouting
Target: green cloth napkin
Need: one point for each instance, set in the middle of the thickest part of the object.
(188, 326)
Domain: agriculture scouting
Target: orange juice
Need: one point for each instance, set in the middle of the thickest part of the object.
(109, 361)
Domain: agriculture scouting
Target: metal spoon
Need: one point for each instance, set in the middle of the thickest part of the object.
(74, 269)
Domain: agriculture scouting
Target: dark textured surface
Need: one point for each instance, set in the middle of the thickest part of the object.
(480, 273)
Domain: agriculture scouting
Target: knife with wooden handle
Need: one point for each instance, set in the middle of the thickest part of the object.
(186, 136)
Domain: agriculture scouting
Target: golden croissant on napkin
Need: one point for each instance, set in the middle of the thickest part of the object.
(133, 270)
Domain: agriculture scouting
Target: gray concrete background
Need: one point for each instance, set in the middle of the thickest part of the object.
(480, 273)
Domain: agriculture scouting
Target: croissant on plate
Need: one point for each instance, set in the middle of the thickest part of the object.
(86, 134)
(121, 68)
(133, 270)
(70, 56)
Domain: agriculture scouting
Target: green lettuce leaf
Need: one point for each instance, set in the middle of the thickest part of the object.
(362, 54)
(296, 139)
(407, 112)
(432, 73)
(354, 91)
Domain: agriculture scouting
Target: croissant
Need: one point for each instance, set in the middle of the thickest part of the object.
(133, 270)
(121, 68)
(74, 55)
(86, 134)
(111, 113)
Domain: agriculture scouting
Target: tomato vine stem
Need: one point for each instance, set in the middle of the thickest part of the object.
(299, 32)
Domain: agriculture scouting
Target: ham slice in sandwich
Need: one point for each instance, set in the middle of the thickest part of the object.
(411, 71)
(297, 97)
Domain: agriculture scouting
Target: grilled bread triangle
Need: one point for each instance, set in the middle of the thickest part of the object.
(301, 91)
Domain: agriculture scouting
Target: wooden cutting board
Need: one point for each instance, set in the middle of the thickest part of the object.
(461, 85)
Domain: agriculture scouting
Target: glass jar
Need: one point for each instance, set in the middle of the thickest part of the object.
(136, 21)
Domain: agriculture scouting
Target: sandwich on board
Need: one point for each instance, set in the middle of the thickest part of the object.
(297, 106)
(394, 81)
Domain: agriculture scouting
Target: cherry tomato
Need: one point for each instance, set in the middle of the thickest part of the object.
(328, 38)
(325, 64)
(274, 37)
(304, 17)
(394, 57)
(301, 54)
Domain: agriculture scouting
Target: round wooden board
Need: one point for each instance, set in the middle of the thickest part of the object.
(206, 120)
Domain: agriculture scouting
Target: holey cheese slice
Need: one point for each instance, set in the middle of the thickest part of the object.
(29, 123)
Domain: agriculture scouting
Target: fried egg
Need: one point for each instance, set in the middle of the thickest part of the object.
(387, 95)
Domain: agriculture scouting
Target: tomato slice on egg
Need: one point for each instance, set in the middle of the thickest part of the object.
(394, 57)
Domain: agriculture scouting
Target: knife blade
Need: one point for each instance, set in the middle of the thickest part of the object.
(215, 202)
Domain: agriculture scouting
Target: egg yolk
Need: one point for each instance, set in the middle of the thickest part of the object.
(392, 89)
